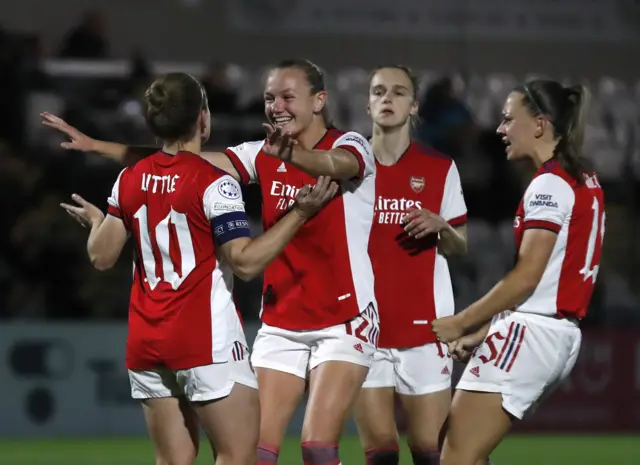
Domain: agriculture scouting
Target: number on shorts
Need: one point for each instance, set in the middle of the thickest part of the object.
(441, 353)
(185, 244)
(597, 227)
(359, 330)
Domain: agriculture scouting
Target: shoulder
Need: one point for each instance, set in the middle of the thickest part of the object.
(429, 154)
(249, 147)
(550, 181)
(349, 138)
(225, 187)
(549, 190)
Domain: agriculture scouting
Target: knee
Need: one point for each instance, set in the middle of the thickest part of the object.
(380, 440)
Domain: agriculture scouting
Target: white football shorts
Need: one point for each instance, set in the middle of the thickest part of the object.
(298, 352)
(524, 357)
(413, 371)
(198, 384)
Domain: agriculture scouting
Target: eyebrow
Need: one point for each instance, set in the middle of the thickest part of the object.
(288, 89)
(395, 86)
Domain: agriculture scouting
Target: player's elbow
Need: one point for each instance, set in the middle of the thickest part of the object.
(246, 272)
(102, 262)
(345, 170)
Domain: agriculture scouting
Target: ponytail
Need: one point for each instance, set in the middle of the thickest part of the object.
(568, 151)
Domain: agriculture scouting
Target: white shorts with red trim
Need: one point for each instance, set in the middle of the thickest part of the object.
(299, 352)
(524, 357)
(413, 371)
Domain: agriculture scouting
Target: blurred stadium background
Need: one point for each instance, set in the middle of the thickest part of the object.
(64, 390)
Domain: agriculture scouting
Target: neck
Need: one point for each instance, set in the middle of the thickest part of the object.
(389, 144)
(308, 138)
(543, 154)
(193, 146)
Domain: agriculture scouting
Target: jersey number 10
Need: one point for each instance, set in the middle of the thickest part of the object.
(185, 244)
(597, 228)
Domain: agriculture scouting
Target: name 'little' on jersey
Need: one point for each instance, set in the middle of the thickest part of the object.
(181, 312)
(412, 281)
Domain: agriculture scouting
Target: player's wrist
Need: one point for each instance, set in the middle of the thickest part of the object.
(302, 214)
(465, 321)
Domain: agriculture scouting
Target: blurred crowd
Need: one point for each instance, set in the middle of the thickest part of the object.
(44, 271)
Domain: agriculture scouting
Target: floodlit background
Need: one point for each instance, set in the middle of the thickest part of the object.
(64, 394)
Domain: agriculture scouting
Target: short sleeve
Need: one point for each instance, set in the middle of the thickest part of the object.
(224, 207)
(548, 202)
(453, 208)
(114, 198)
(243, 159)
(360, 147)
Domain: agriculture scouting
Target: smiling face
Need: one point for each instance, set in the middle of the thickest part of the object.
(289, 102)
(519, 129)
(391, 98)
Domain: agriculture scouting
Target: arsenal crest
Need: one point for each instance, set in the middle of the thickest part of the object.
(417, 184)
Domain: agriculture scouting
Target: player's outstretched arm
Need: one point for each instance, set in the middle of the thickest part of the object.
(341, 162)
(107, 236)
(249, 257)
(126, 155)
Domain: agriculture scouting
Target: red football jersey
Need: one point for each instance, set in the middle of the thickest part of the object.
(413, 285)
(324, 276)
(181, 312)
(555, 201)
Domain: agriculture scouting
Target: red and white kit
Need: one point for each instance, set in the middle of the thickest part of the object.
(413, 284)
(183, 323)
(531, 350)
(318, 301)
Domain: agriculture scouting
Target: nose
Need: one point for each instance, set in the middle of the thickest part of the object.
(500, 129)
(278, 105)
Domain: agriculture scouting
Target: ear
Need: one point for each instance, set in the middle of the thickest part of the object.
(414, 108)
(541, 126)
(320, 101)
(203, 121)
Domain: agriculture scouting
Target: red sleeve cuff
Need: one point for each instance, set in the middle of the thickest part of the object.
(114, 211)
(237, 164)
(458, 220)
(542, 224)
(358, 155)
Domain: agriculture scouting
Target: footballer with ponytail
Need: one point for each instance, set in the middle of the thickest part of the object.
(559, 229)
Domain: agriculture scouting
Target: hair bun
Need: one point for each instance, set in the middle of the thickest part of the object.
(156, 97)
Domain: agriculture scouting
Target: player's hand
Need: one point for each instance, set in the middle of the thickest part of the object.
(85, 213)
(278, 144)
(448, 329)
(420, 223)
(462, 349)
(311, 199)
(79, 140)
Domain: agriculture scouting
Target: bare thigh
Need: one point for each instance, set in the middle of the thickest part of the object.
(425, 416)
(231, 424)
(173, 427)
(374, 412)
(476, 425)
(280, 394)
(333, 389)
